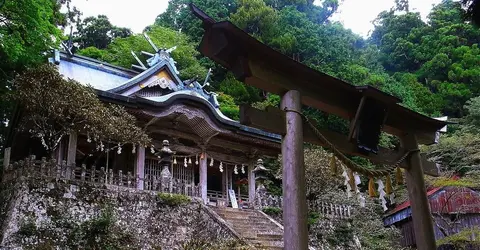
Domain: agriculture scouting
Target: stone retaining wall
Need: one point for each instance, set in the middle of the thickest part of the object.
(51, 211)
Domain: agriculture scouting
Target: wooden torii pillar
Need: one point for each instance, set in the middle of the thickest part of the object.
(258, 65)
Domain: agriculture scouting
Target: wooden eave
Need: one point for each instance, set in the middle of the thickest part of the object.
(240, 134)
(258, 65)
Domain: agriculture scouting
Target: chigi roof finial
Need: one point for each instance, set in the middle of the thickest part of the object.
(158, 56)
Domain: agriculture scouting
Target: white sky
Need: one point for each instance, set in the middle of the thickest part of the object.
(356, 15)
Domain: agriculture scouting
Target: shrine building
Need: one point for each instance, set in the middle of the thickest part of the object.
(212, 153)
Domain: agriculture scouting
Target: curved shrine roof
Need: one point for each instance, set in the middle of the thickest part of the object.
(157, 87)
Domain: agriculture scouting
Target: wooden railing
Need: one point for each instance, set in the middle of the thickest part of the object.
(32, 168)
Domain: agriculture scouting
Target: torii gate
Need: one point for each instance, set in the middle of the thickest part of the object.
(369, 111)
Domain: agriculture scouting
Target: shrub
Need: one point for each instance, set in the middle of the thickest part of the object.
(272, 210)
(174, 199)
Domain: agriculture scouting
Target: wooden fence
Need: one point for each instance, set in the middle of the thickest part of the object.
(328, 210)
(43, 169)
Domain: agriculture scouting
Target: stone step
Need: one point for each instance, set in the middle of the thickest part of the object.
(264, 243)
(248, 221)
(270, 236)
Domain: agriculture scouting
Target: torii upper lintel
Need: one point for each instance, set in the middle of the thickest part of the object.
(258, 65)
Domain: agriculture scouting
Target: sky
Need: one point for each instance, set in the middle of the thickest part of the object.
(356, 15)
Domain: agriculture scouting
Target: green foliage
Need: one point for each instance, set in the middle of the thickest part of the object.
(173, 200)
(449, 182)
(54, 107)
(255, 17)
(98, 32)
(228, 106)
(118, 52)
(464, 239)
(272, 210)
(92, 52)
(28, 29)
(458, 152)
(101, 233)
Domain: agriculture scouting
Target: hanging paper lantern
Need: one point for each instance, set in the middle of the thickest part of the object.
(185, 162)
(221, 167)
(174, 160)
(196, 159)
(371, 188)
(347, 182)
(382, 194)
(119, 149)
(351, 180)
(392, 198)
(235, 170)
(357, 181)
(189, 160)
(211, 162)
(388, 188)
(333, 165)
(399, 176)
(152, 149)
(134, 149)
(243, 169)
(101, 146)
(361, 200)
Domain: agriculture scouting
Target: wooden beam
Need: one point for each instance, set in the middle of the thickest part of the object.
(215, 141)
(353, 124)
(265, 77)
(417, 194)
(216, 155)
(273, 121)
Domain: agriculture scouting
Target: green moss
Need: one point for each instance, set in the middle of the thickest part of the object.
(462, 239)
(272, 210)
(173, 199)
(313, 217)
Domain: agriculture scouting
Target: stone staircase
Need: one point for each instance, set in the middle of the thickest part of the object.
(254, 227)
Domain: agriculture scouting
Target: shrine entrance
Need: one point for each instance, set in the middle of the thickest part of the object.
(368, 110)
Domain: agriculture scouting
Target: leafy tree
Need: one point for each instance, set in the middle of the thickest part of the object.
(179, 17)
(118, 52)
(28, 29)
(98, 32)
(54, 107)
(473, 10)
(255, 17)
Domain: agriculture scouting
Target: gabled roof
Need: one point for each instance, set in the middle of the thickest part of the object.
(163, 65)
(443, 200)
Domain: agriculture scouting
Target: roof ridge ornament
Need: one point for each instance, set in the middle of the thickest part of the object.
(159, 56)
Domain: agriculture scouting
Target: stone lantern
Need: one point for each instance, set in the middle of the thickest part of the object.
(260, 172)
(260, 176)
(166, 160)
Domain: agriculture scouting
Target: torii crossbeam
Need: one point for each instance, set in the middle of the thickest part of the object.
(369, 111)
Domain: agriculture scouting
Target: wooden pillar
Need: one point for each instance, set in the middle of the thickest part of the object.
(251, 182)
(140, 166)
(417, 193)
(294, 191)
(203, 177)
(72, 149)
(227, 183)
(6, 157)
